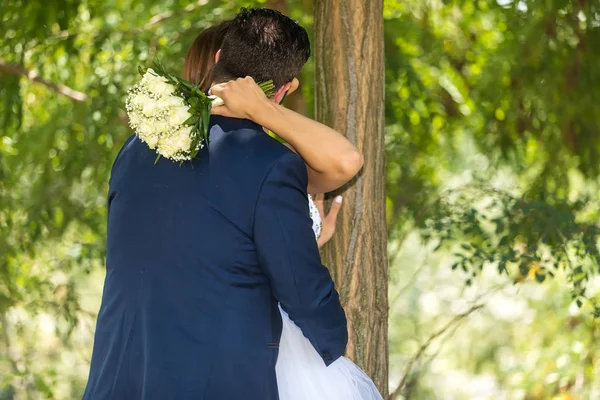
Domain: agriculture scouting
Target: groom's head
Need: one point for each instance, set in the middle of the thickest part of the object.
(264, 44)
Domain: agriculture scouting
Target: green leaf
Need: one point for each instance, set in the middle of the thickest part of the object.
(188, 85)
(194, 102)
(191, 120)
(201, 94)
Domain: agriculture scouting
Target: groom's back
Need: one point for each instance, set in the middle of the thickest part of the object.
(185, 301)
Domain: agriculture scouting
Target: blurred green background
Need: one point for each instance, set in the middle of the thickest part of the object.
(492, 117)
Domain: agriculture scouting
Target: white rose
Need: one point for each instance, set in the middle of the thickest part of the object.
(150, 107)
(156, 84)
(135, 118)
(151, 76)
(161, 87)
(179, 115)
(152, 140)
(163, 102)
(183, 138)
(167, 146)
(170, 101)
(145, 129)
(164, 151)
(139, 100)
(161, 126)
(148, 76)
(174, 101)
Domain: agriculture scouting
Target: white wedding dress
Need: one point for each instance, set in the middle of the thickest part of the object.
(302, 374)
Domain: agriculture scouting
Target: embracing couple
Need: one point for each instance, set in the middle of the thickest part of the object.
(214, 287)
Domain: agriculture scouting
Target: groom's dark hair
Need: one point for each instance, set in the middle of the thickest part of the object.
(264, 44)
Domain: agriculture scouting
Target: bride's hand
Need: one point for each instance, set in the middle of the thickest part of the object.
(242, 98)
(329, 220)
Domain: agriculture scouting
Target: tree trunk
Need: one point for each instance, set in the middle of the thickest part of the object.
(349, 96)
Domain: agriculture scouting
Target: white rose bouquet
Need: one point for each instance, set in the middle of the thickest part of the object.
(171, 115)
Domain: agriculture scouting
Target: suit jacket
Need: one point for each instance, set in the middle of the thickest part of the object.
(198, 257)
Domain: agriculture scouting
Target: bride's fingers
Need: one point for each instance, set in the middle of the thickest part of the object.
(221, 110)
(218, 88)
(336, 204)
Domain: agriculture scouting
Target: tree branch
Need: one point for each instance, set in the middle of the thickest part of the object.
(15, 69)
(158, 18)
(458, 318)
(410, 385)
(410, 282)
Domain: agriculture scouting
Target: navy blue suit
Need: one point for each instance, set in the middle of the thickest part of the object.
(198, 256)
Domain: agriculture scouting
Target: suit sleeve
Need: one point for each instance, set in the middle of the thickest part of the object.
(288, 253)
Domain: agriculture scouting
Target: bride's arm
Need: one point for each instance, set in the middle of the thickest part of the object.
(331, 159)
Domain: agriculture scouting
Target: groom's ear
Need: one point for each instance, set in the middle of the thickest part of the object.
(281, 92)
(294, 85)
(217, 56)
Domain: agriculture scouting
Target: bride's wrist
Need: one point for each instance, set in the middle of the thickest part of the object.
(260, 114)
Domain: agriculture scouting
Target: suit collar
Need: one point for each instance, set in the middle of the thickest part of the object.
(232, 124)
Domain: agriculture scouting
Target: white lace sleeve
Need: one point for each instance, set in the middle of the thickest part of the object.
(315, 216)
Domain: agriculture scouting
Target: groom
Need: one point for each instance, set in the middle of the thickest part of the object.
(200, 254)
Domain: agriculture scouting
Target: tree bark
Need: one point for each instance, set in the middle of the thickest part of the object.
(349, 96)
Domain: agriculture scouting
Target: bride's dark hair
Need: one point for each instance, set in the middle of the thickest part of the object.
(200, 60)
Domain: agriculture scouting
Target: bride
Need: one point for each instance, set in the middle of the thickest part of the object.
(331, 161)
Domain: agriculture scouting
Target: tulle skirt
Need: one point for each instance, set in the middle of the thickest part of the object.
(302, 374)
